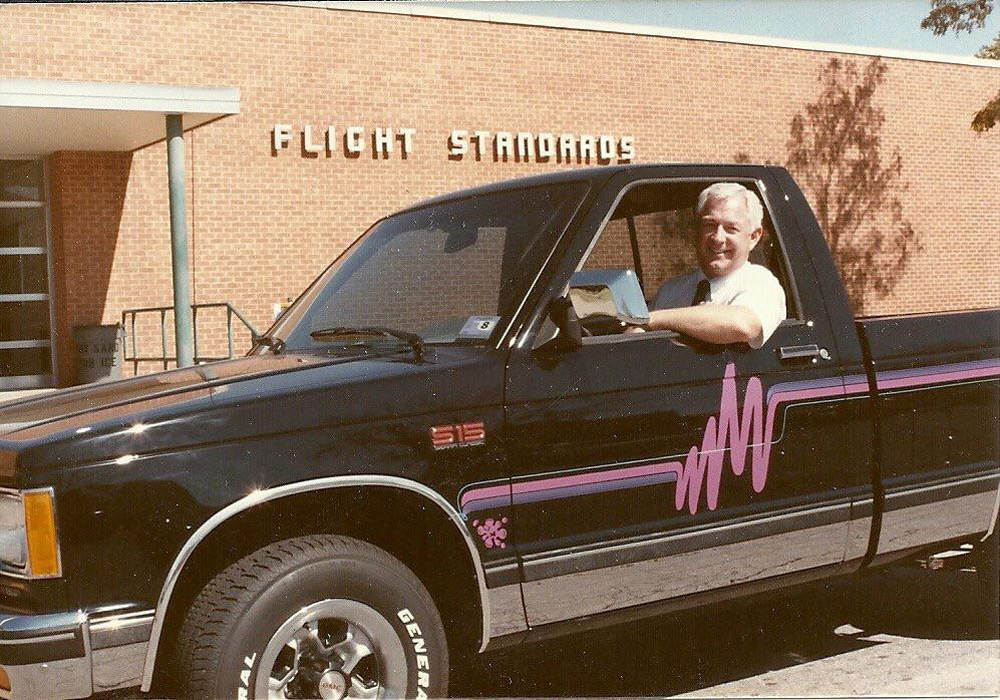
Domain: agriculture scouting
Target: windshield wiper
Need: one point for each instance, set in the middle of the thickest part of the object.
(415, 342)
(269, 341)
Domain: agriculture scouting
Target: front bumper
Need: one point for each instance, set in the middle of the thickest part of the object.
(73, 654)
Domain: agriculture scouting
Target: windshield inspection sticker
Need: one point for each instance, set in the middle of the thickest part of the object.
(478, 327)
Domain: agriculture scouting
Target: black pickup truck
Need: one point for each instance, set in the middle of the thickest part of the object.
(448, 445)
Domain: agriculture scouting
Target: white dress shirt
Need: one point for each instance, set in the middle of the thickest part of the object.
(751, 286)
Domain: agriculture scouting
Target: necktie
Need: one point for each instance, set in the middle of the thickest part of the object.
(702, 294)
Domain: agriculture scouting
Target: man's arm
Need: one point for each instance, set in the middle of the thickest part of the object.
(709, 322)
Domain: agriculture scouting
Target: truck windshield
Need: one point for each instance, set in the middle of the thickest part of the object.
(450, 272)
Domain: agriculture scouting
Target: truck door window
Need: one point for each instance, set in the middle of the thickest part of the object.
(663, 218)
(664, 243)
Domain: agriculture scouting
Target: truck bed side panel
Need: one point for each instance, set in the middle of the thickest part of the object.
(938, 386)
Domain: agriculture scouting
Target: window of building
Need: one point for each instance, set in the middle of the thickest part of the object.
(25, 299)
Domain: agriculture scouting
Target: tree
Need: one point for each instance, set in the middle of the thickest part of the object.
(965, 16)
(835, 152)
(991, 50)
(946, 15)
(987, 117)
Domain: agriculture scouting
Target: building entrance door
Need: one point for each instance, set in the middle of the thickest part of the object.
(25, 281)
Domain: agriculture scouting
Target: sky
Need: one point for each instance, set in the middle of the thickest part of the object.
(892, 24)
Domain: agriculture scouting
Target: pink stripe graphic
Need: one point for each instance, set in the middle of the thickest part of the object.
(856, 388)
(483, 493)
(591, 478)
(729, 435)
(563, 482)
(732, 435)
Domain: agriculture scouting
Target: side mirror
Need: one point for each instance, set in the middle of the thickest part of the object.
(600, 296)
(599, 302)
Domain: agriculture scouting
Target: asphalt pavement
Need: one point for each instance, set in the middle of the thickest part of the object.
(901, 631)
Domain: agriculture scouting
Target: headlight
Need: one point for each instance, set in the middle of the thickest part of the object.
(29, 544)
(13, 542)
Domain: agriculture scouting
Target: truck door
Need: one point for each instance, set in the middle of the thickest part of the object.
(623, 491)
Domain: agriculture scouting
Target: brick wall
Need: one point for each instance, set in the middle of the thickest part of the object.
(263, 224)
(87, 194)
(665, 247)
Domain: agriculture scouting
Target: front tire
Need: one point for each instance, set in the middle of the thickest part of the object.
(315, 616)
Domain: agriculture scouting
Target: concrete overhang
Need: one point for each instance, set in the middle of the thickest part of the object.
(43, 116)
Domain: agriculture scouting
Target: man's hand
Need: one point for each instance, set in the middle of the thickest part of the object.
(634, 329)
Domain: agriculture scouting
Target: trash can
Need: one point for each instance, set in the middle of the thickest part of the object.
(98, 352)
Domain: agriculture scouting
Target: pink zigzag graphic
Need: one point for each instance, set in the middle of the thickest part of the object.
(740, 435)
(705, 465)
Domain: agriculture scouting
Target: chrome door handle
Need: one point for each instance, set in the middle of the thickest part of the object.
(800, 352)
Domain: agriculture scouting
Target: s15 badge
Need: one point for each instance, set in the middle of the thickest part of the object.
(444, 437)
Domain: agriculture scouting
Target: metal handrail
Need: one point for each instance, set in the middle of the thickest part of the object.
(165, 357)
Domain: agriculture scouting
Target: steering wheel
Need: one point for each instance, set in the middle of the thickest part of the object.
(601, 325)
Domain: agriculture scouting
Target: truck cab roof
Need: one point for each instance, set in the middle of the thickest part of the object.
(594, 176)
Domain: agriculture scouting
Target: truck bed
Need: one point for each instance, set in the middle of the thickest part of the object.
(934, 379)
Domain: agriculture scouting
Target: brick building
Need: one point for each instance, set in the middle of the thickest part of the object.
(306, 123)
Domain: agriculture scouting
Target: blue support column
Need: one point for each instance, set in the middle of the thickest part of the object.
(183, 327)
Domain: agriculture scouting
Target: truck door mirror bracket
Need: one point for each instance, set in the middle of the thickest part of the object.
(564, 317)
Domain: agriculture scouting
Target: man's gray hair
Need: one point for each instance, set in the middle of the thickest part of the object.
(727, 190)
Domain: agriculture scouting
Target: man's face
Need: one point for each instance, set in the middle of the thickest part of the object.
(724, 239)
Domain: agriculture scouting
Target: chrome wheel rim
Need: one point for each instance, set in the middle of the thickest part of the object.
(333, 649)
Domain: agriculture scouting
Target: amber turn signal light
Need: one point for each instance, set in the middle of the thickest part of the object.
(4, 679)
(40, 525)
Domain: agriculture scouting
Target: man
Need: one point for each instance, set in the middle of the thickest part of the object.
(728, 299)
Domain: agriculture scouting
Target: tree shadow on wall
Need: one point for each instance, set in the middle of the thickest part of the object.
(835, 152)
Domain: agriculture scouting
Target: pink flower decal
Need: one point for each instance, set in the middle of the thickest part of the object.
(492, 531)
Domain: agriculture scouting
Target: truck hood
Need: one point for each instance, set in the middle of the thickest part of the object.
(231, 401)
(64, 408)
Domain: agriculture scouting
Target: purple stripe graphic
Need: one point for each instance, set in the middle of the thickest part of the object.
(621, 478)
(560, 487)
(588, 478)
(885, 382)
(808, 384)
(852, 383)
(486, 492)
(597, 487)
(938, 373)
(782, 396)
(939, 369)
(486, 503)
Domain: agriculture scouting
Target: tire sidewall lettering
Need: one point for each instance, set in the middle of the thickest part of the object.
(418, 647)
(245, 675)
(277, 582)
(418, 652)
